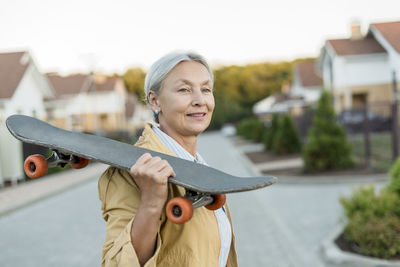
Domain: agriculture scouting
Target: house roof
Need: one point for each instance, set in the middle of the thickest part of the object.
(74, 84)
(346, 47)
(307, 73)
(391, 32)
(12, 70)
(68, 85)
(105, 84)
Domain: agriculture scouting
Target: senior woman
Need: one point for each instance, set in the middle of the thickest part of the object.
(179, 90)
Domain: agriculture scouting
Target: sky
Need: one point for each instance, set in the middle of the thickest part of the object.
(110, 36)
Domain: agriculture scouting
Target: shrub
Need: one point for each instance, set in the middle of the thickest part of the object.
(373, 222)
(395, 177)
(377, 237)
(367, 203)
(327, 146)
(268, 139)
(286, 139)
(251, 129)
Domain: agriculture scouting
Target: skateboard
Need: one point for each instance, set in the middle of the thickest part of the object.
(204, 186)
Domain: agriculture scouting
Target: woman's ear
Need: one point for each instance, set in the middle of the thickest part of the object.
(153, 101)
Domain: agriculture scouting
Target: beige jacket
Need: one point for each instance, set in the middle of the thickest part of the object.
(195, 243)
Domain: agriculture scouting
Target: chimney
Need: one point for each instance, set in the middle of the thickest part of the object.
(355, 30)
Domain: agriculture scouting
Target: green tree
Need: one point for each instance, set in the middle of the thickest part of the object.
(238, 88)
(250, 128)
(269, 137)
(327, 146)
(134, 82)
(287, 139)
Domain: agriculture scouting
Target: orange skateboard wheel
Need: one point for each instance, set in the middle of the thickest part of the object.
(179, 210)
(219, 201)
(82, 163)
(35, 166)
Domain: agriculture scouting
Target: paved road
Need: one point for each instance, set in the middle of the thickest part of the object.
(282, 225)
(63, 230)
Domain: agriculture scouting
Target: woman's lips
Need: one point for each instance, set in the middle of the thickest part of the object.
(199, 115)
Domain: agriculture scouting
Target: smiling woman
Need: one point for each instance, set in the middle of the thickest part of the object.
(179, 90)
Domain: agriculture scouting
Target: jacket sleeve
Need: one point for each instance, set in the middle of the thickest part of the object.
(232, 257)
(120, 199)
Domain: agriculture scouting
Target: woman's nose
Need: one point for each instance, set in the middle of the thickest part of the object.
(198, 98)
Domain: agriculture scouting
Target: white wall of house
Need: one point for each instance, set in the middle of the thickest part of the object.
(11, 158)
(362, 70)
(354, 70)
(310, 94)
(29, 95)
(394, 56)
(327, 66)
(97, 102)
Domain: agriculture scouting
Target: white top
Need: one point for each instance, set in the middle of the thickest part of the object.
(224, 225)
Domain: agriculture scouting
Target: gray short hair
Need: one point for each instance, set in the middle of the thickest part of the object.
(160, 69)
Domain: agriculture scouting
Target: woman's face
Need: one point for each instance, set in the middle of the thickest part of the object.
(185, 100)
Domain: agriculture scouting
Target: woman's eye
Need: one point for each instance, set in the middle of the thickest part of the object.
(183, 90)
(207, 90)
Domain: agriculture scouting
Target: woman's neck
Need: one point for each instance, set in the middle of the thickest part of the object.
(189, 143)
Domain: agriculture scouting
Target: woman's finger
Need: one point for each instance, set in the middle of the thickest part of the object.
(144, 159)
(167, 171)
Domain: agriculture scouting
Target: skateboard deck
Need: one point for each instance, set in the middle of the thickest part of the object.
(205, 186)
(189, 174)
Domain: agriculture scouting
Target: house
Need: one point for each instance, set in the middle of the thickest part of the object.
(94, 103)
(23, 90)
(359, 69)
(307, 83)
(304, 91)
(89, 103)
(388, 36)
(137, 113)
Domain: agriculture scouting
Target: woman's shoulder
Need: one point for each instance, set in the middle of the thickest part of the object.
(114, 182)
(149, 140)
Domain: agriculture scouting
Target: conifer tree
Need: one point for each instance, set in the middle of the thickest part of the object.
(271, 132)
(327, 147)
(287, 139)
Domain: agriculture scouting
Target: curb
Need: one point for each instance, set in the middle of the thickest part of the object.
(326, 180)
(334, 256)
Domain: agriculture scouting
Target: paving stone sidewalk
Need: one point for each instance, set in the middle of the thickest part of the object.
(21, 195)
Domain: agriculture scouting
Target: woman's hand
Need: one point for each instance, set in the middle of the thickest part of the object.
(151, 175)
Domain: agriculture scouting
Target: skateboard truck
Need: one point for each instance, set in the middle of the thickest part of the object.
(180, 209)
(36, 166)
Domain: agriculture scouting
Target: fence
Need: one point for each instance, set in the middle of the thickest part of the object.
(372, 132)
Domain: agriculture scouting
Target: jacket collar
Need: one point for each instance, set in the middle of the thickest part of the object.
(151, 141)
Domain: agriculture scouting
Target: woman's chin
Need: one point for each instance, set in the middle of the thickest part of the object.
(198, 129)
